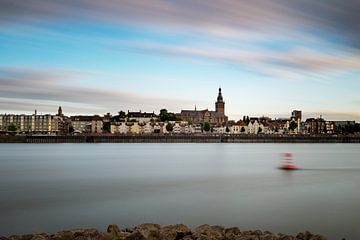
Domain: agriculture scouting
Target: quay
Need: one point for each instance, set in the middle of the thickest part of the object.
(165, 138)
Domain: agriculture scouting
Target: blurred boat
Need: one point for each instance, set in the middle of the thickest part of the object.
(288, 163)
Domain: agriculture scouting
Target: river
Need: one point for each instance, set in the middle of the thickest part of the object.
(52, 187)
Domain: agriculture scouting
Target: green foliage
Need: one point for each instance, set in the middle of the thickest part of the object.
(348, 128)
(71, 129)
(227, 129)
(12, 128)
(169, 127)
(106, 127)
(206, 126)
(167, 116)
(293, 125)
(242, 129)
(259, 130)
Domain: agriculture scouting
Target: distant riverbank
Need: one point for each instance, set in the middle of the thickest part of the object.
(183, 139)
(172, 232)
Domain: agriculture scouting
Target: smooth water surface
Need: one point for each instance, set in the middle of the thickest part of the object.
(52, 187)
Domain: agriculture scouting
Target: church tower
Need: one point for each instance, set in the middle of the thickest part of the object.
(220, 104)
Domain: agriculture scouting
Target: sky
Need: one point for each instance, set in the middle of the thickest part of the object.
(269, 56)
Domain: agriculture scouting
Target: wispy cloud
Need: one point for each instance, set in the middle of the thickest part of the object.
(42, 89)
(223, 17)
(291, 64)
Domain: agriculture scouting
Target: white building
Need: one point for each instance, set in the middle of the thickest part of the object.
(87, 124)
(119, 128)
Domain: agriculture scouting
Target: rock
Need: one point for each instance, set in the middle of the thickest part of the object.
(232, 233)
(268, 236)
(39, 237)
(136, 235)
(317, 237)
(300, 236)
(209, 232)
(258, 232)
(149, 231)
(15, 237)
(308, 235)
(174, 232)
(79, 234)
(114, 230)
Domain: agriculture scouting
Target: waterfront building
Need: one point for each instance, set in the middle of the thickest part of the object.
(254, 127)
(119, 128)
(34, 124)
(135, 128)
(214, 117)
(148, 128)
(87, 124)
(315, 126)
(239, 127)
(141, 117)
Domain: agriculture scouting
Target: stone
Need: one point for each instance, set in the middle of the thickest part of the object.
(300, 236)
(149, 231)
(174, 232)
(136, 235)
(258, 232)
(308, 235)
(232, 233)
(39, 237)
(113, 229)
(209, 232)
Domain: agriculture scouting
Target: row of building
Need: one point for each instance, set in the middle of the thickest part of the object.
(185, 122)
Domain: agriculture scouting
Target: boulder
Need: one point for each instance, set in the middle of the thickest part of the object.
(232, 233)
(79, 234)
(268, 236)
(39, 237)
(113, 230)
(209, 232)
(174, 232)
(136, 235)
(149, 231)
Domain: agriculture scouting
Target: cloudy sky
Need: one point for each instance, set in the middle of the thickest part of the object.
(269, 56)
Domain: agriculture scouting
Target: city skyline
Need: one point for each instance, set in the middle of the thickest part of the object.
(269, 57)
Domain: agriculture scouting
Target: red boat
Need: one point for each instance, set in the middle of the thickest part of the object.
(288, 163)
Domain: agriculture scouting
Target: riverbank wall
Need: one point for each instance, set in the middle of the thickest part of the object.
(182, 139)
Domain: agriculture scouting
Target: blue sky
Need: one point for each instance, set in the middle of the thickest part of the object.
(93, 57)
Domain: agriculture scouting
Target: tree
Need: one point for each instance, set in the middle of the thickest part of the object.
(169, 127)
(227, 129)
(71, 129)
(167, 116)
(293, 125)
(206, 126)
(247, 119)
(12, 128)
(106, 127)
(163, 115)
(259, 130)
(242, 129)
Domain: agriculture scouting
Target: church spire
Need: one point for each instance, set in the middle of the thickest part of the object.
(220, 104)
(220, 98)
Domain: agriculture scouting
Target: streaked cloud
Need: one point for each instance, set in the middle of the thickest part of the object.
(45, 89)
(223, 17)
(287, 64)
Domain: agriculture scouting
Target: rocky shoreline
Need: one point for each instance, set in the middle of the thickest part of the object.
(173, 232)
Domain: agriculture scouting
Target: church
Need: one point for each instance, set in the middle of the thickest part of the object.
(216, 117)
